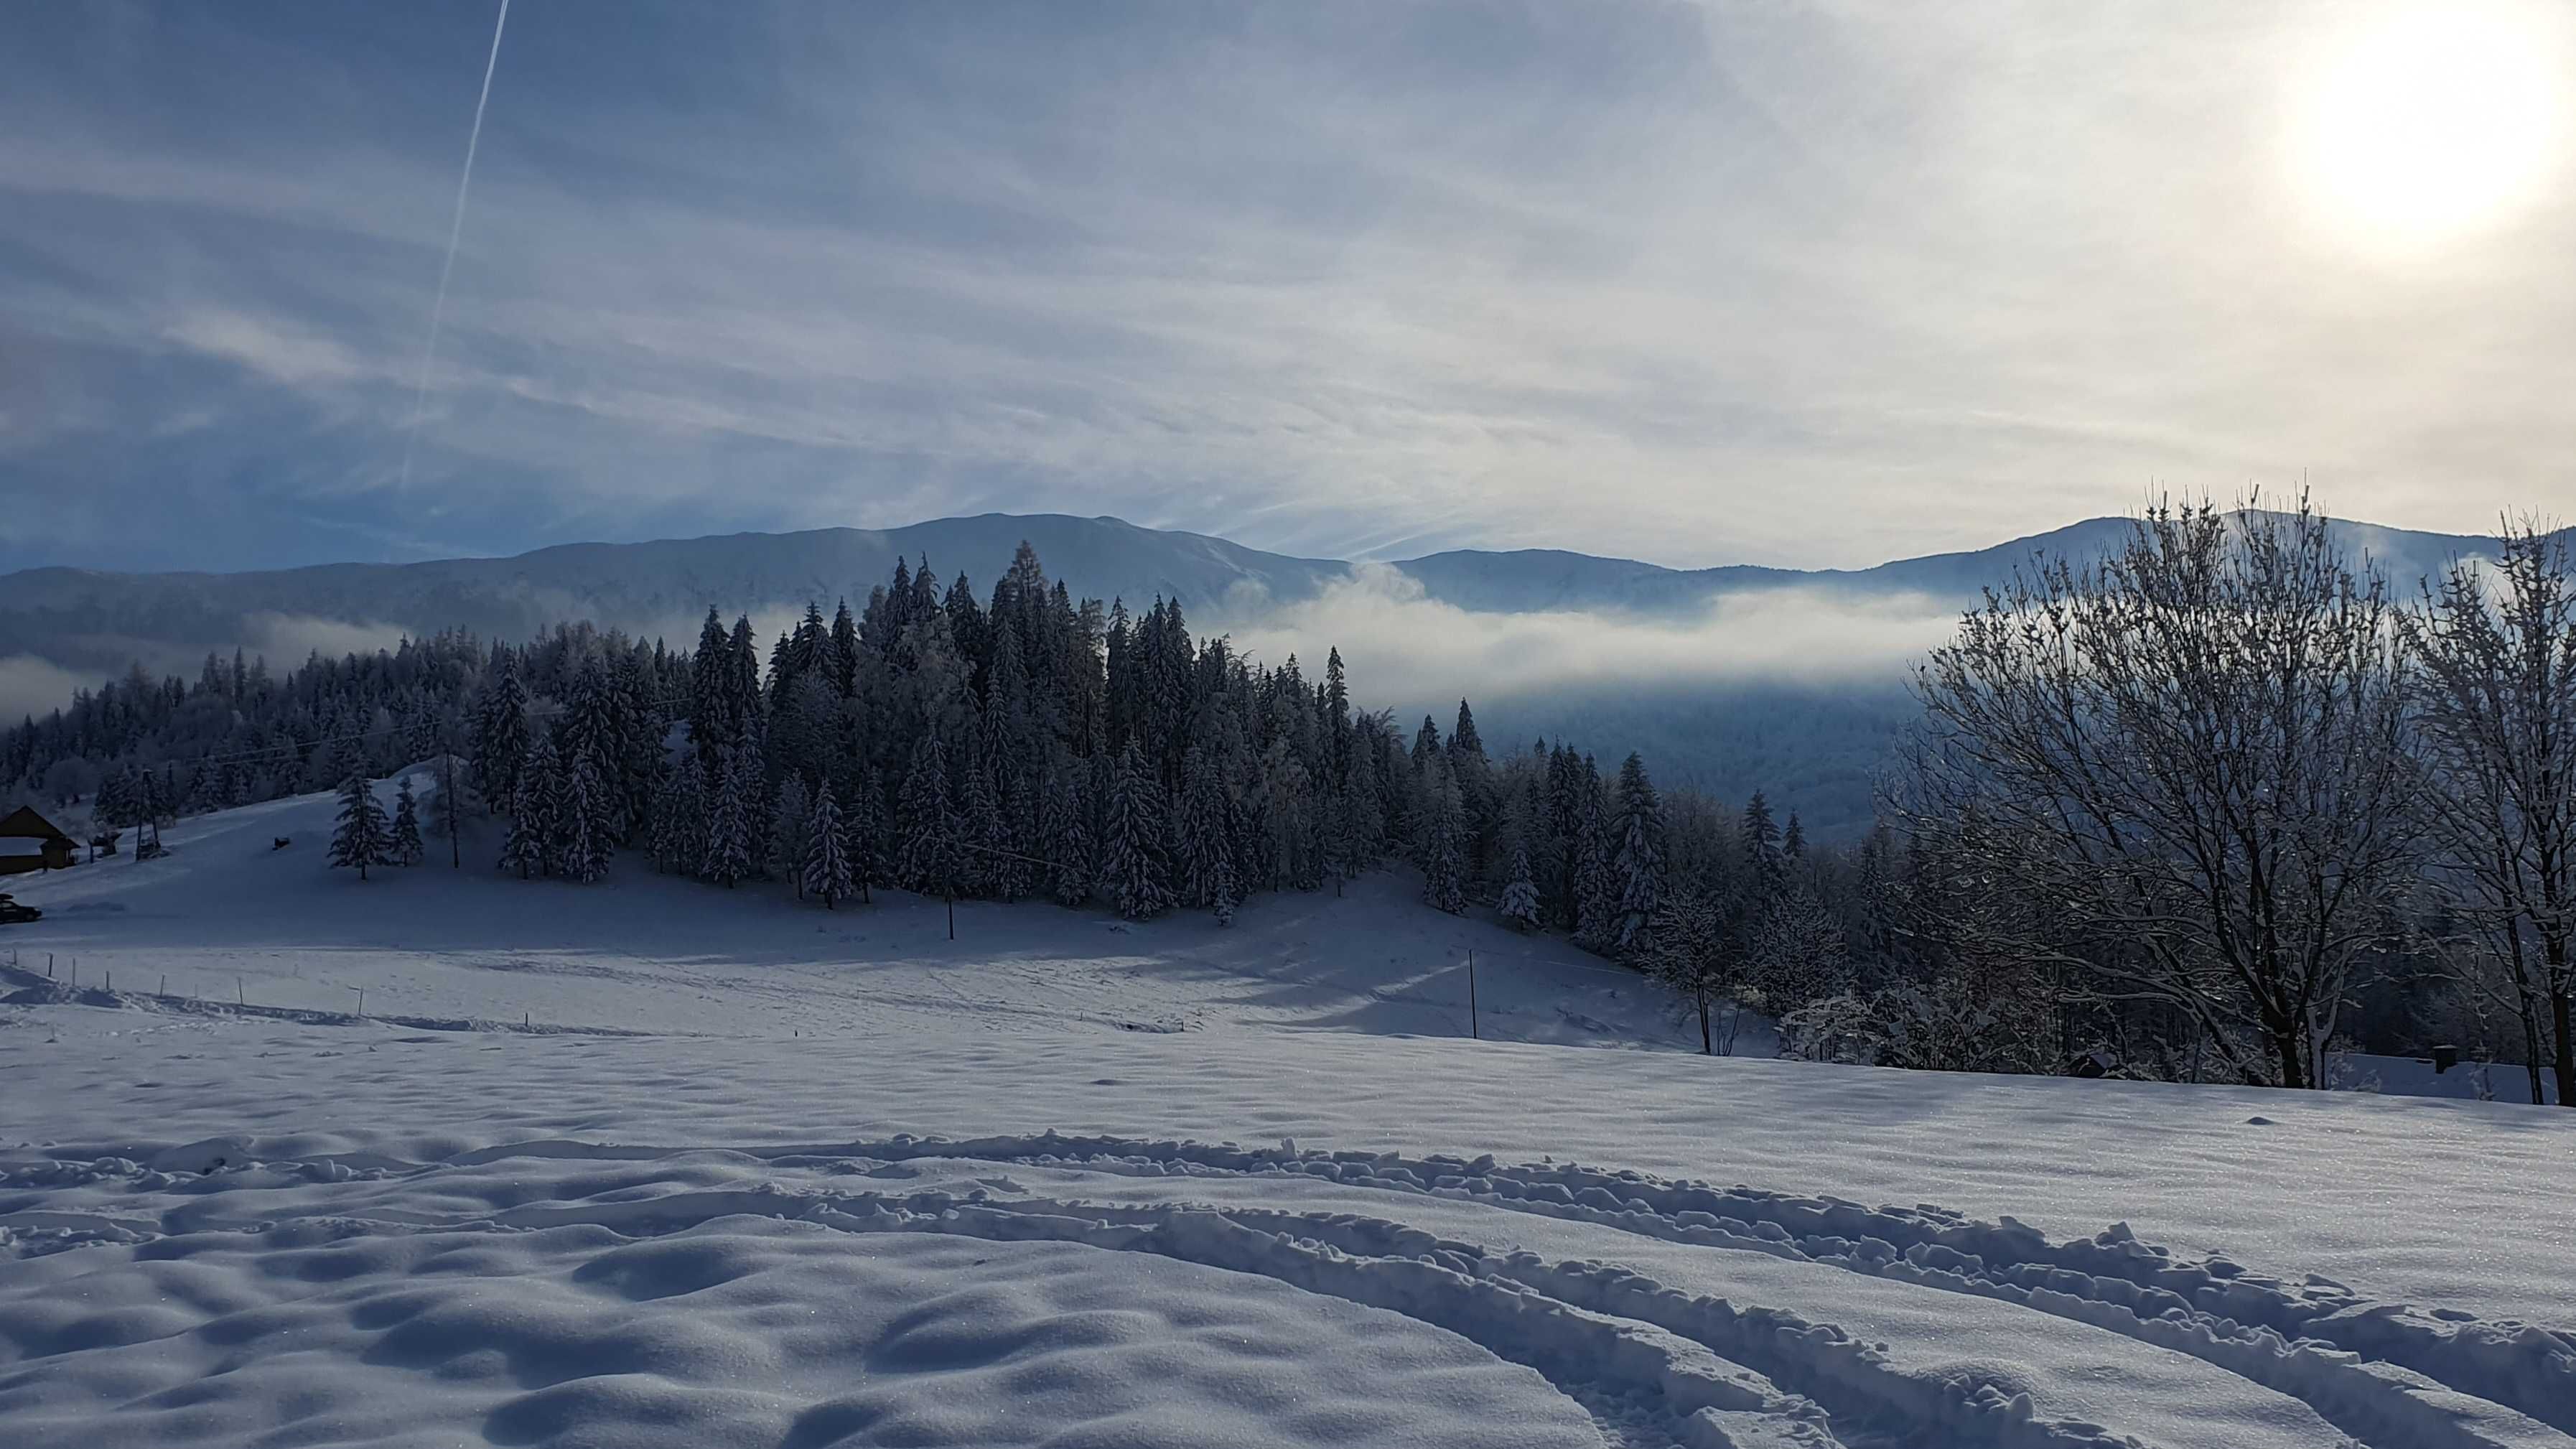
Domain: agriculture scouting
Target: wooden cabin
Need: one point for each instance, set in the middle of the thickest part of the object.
(29, 842)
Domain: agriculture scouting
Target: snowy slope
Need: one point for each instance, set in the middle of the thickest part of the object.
(873, 1190)
(224, 916)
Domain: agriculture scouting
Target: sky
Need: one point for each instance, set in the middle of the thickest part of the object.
(1801, 284)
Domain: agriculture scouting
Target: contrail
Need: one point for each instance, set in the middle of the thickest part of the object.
(455, 230)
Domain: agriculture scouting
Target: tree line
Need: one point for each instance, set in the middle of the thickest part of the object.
(2203, 808)
(2208, 808)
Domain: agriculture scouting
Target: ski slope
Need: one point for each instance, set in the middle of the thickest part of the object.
(741, 1181)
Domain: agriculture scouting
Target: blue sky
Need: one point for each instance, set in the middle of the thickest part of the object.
(1800, 284)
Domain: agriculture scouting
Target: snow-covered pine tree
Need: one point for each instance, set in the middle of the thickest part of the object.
(790, 831)
(926, 863)
(864, 832)
(588, 828)
(1761, 838)
(405, 847)
(751, 760)
(1015, 871)
(1596, 895)
(1520, 895)
(1133, 869)
(1444, 841)
(1202, 847)
(981, 839)
(680, 817)
(500, 749)
(1637, 868)
(1464, 740)
(1340, 848)
(728, 854)
(528, 848)
(1066, 836)
(844, 667)
(826, 867)
(1225, 895)
(711, 702)
(359, 837)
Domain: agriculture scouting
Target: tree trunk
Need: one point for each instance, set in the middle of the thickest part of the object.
(2286, 1042)
(1704, 1048)
(2564, 1060)
(2530, 1014)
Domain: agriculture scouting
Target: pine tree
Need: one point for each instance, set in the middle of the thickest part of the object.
(864, 830)
(790, 832)
(927, 862)
(1520, 897)
(1464, 739)
(680, 817)
(405, 845)
(1067, 837)
(1637, 867)
(501, 737)
(360, 837)
(586, 829)
(826, 871)
(1225, 895)
(981, 838)
(541, 800)
(1444, 843)
(711, 713)
(728, 854)
(528, 848)
(1202, 846)
(1596, 895)
(1761, 838)
(1133, 869)
(845, 652)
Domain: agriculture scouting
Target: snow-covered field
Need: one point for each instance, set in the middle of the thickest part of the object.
(779, 1177)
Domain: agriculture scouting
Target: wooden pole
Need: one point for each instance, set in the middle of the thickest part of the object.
(1474, 1027)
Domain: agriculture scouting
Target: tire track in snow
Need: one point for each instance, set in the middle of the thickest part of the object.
(2379, 1371)
(2211, 1310)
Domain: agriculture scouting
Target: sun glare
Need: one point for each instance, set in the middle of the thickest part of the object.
(2433, 122)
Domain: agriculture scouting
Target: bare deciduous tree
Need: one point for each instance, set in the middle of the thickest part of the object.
(2194, 756)
(1687, 949)
(2498, 666)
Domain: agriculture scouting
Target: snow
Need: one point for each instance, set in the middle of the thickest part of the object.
(851, 1184)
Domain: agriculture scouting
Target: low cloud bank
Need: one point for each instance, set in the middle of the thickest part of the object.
(1399, 643)
(33, 686)
(285, 639)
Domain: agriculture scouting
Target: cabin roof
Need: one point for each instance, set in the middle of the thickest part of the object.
(24, 823)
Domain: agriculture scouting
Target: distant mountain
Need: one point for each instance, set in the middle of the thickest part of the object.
(1808, 737)
(93, 620)
(1526, 580)
(90, 620)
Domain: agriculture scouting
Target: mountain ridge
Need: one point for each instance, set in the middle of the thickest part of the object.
(1529, 642)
